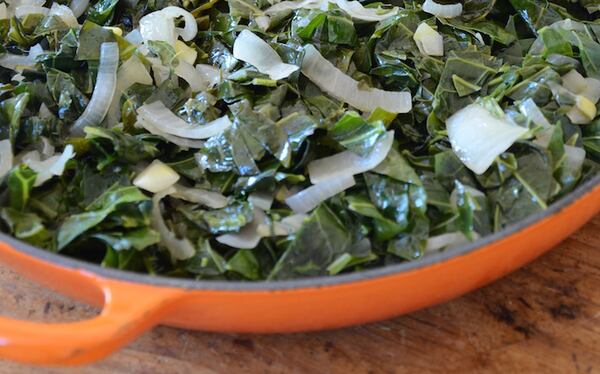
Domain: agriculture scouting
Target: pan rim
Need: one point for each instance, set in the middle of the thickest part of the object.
(578, 193)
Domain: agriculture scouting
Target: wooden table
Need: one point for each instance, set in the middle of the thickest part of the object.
(544, 318)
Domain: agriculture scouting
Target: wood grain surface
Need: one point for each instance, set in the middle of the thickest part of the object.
(544, 318)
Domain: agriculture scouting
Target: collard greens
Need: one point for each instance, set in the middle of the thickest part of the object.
(506, 51)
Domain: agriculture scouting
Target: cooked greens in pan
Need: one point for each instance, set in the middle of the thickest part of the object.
(267, 139)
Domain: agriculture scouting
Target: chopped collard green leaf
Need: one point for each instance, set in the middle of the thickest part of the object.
(201, 126)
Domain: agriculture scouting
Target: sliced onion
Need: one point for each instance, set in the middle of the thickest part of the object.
(341, 86)
(185, 53)
(445, 241)
(180, 249)
(360, 13)
(289, 6)
(104, 90)
(46, 169)
(261, 199)
(46, 148)
(558, 60)
(575, 157)
(130, 72)
(574, 82)
(79, 7)
(208, 198)
(134, 37)
(309, 198)
(181, 142)
(25, 10)
(353, 8)
(248, 237)
(211, 75)
(155, 26)
(263, 22)
(544, 136)
(570, 25)
(348, 163)
(429, 41)
(577, 117)
(478, 137)
(161, 72)
(189, 31)
(64, 13)
(44, 112)
(530, 110)
(162, 118)
(287, 226)
(6, 157)
(20, 62)
(251, 49)
(442, 10)
(592, 90)
(189, 74)
(160, 25)
(156, 177)
(3, 11)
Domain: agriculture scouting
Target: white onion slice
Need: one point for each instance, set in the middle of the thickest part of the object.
(353, 8)
(188, 73)
(288, 6)
(252, 49)
(442, 10)
(25, 10)
(155, 26)
(208, 198)
(44, 112)
(162, 118)
(349, 163)
(592, 90)
(429, 41)
(180, 249)
(574, 82)
(341, 86)
(261, 199)
(360, 13)
(309, 198)
(6, 157)
(156, 177)
(52, 166)
(181, 142)
(160, 25)
(287, 226)
(64, 13)
(3, 11)
(79, 7)
(211, 76)
(478, 137)
(445, 241)
(530, 110)
(558, 59)
(134, 37)
(104, 90)
(20, 62)
(46, 148)
(575, 157)
(130, 72)
(189, 31)
(248, 237)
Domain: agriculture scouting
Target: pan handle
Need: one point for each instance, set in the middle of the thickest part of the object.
(125, 316)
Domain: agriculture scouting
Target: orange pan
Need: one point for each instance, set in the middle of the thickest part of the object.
(132, 303)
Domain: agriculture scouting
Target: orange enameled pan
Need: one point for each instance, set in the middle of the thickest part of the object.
(133, 303)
